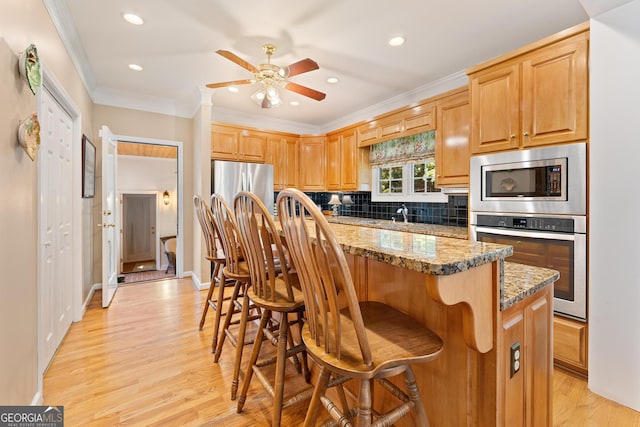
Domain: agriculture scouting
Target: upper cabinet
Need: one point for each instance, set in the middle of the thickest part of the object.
(236, 143)
(537, 95)
(282, 153)
(452, 140)
(311, 159)
(408, 121)
(341, 164)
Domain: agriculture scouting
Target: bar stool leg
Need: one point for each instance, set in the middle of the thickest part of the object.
(255, 352)
(364, 404)
(211, 287)
(318, 392)
(240, 344)
(218, 316)
(414, 395)
(227, 321)
(281, 363)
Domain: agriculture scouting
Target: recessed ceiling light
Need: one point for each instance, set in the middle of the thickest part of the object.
(233, 89)
(135, 67)
(133, 19)
(332, 80)
(397, 41)
(294, 103)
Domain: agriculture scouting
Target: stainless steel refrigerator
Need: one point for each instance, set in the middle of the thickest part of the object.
(229, 178)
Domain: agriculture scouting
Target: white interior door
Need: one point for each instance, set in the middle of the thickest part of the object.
(110, 217)
(139, 227)
(55, 177)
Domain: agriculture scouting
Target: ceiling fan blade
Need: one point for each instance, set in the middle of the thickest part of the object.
(232, 83)
(302, 66)
(306, 91)
(235, 58)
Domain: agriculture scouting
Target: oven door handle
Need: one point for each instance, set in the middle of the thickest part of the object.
(531, 234)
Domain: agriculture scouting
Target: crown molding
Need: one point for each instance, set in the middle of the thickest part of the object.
(436, 87)
(148, 103)
(61, 18)
(258, 121)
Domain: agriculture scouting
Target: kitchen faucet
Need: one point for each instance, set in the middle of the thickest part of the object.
(404, 211)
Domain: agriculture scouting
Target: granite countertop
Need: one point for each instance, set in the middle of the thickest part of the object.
(437, 249)
(411, 227)
(419, 252)
(521, 281)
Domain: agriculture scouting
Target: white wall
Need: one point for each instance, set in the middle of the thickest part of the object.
(137, 174)
(614, 307)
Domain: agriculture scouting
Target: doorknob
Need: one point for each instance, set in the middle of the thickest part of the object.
(106, 213)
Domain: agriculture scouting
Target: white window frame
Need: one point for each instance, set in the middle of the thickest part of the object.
(407, 194)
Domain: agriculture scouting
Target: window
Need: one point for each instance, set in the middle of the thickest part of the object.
(410, 182)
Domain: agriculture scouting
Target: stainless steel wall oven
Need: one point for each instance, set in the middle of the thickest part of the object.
(535, 200)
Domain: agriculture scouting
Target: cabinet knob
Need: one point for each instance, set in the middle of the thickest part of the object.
(513, 136)
(526, 134)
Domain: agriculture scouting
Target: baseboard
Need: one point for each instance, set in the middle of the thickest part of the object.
(197, 284)
(37, 399)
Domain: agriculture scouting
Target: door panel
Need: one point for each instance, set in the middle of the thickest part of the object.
(138, 231)
(110, 220)
(55, 288)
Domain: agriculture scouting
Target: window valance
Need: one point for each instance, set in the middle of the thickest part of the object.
(400, 151)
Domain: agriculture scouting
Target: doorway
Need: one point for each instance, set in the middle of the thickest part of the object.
(148, 190)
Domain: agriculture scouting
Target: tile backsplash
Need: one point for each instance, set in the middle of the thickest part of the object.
(454, 212)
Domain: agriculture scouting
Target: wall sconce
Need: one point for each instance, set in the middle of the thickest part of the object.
(334, 202)
(165, 197)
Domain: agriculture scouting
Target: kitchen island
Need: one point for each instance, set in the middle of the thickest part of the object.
(490, 315)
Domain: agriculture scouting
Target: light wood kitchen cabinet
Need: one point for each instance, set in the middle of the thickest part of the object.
(341, 161)
(311, 159)
(452, 140)
(570, 344)
(237, 143)
(282, 153)
(405, 122)
(526, 336)
(536, 95)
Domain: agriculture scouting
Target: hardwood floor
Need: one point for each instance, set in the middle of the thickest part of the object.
(144, 362)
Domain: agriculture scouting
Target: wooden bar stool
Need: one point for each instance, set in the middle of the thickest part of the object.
(215, 255)
(275, 289)
(236, 269)
(365, 341)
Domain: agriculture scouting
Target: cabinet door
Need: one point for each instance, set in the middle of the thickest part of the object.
(349, 161)
(495, 109)
(252, 147)
(452, 141)
(555, 93)
(290, 173)
(311, 160)
(275, 156)
(420, 119)
(332, 162)
(538, 361)
(368, 134)
(224, 143)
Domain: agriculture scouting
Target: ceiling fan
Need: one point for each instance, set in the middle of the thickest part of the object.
(272, 77)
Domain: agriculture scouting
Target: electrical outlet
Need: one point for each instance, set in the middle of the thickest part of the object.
(515, 358)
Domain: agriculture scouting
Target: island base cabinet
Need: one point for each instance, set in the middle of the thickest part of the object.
(525, 366)
(462, 386)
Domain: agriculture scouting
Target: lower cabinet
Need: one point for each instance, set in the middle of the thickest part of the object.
(525, 364)
(570, 344)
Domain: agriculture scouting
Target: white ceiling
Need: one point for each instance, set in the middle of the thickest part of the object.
(348, 38)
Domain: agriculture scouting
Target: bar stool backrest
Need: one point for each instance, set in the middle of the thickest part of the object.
(205, 218)
(228, 232)
(323, 273)
(263, 247)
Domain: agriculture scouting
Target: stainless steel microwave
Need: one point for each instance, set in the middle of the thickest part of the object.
(540, 180)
